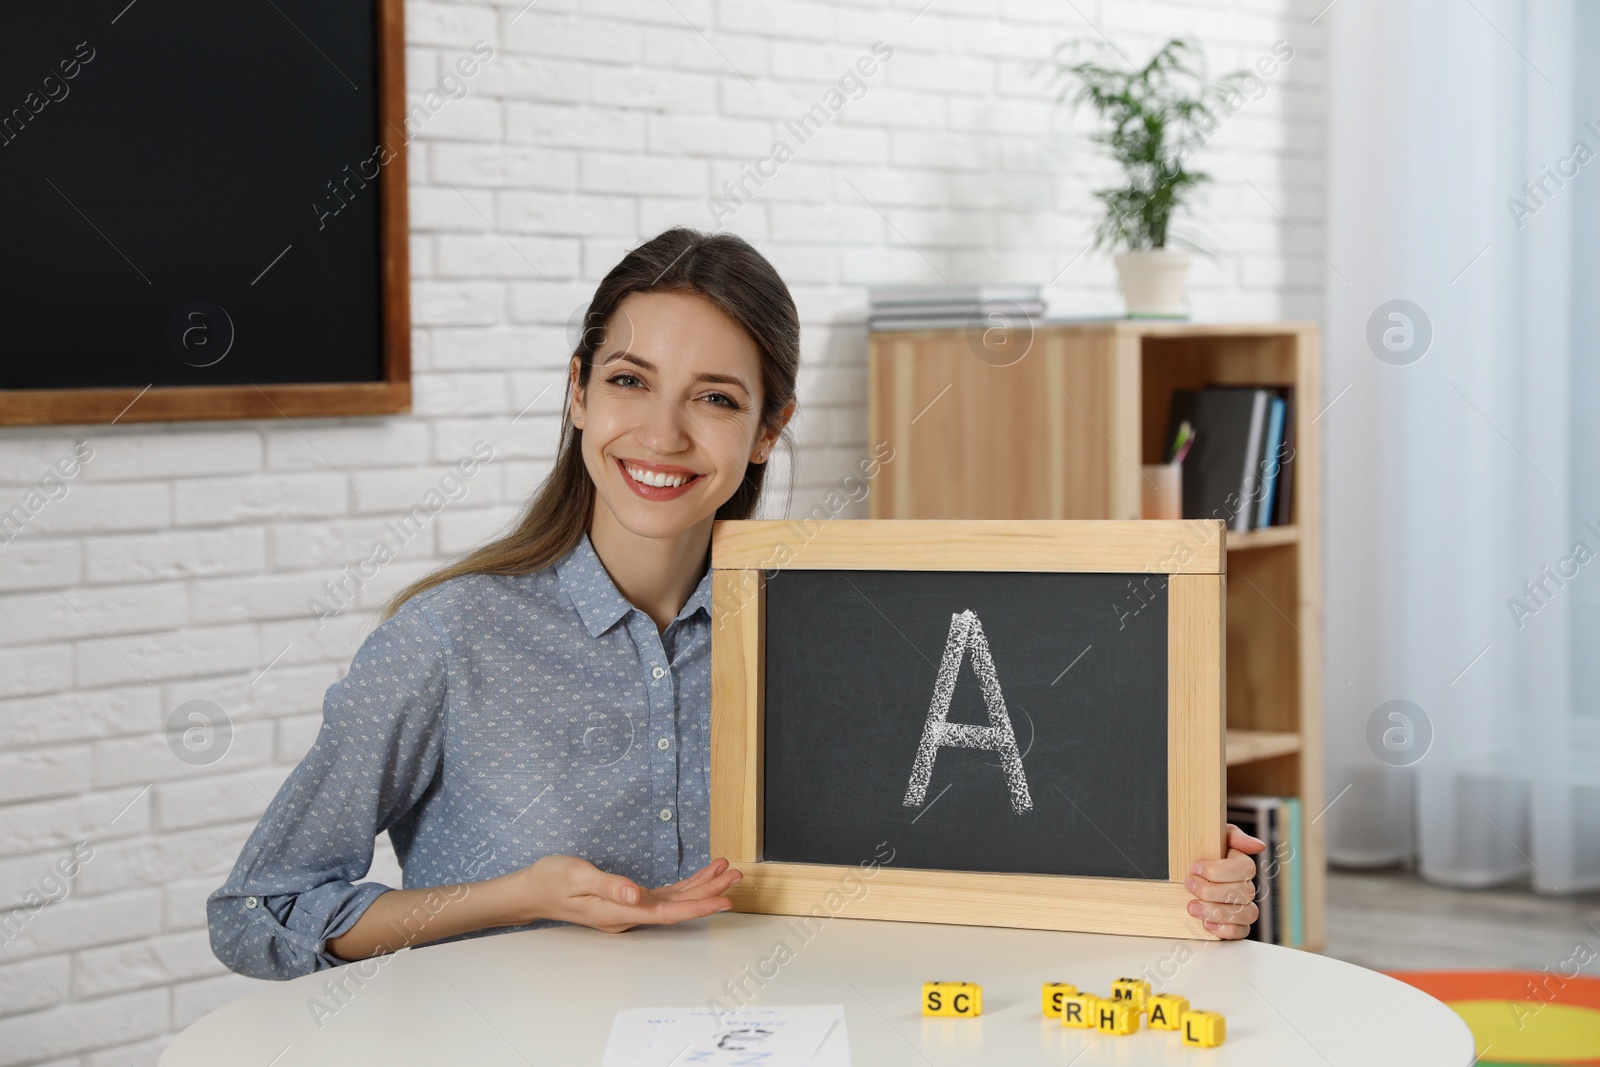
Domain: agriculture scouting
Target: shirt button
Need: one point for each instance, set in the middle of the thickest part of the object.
(658, 672)
(663, 744)
(249, 902)
(666, 814)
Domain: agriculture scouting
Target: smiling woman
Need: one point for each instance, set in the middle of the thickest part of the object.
(530, 723)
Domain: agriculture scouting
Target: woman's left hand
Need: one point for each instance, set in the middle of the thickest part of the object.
(1224, 890)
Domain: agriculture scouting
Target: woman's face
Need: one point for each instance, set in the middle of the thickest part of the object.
(674, 398)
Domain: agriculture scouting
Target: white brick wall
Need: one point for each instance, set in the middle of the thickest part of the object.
(180, 562)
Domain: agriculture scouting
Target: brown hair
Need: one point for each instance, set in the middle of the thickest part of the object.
(725, 269)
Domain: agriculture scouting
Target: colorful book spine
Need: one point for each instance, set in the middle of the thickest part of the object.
(1296, 870)
(1270, 462)
(1249, 481)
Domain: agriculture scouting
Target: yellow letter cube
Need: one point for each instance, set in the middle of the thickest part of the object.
(952, 998)
(1051, 995)
(1134, 989)
(1203, 1029)
(1164, 1011)
(1078, 1010)
(1116, 1017)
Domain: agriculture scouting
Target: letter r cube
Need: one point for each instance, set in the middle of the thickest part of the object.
(1079, 1010)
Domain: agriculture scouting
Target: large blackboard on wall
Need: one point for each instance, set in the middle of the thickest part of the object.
(192, 194)
(851, 662)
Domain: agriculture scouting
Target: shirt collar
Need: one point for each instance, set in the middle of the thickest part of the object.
(598, 600)
(700, 599)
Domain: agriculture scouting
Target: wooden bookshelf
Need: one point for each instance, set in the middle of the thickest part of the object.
(1269, 537)
(1248, 746)
(1054, 422)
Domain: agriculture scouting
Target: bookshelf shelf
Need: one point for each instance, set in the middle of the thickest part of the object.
(1269, 537)
(1247, 746)
(1058, 432)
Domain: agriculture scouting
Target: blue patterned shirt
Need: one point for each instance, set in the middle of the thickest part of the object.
(492, 721)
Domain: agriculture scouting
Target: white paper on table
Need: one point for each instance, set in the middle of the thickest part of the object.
(835, 1048)
(634, 1033)
(783, 1036)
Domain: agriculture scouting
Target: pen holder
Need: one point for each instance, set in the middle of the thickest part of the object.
(1161, 491)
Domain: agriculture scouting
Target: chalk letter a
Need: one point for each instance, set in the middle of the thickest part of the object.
(966, 631)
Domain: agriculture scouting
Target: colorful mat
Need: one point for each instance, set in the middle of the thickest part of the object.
(1521, 1018)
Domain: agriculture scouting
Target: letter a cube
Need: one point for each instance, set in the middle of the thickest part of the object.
(1164, 1011)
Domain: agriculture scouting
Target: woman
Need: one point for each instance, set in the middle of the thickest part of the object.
(548, 695)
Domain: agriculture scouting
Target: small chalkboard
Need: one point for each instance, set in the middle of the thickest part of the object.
(1025, 717)
(1069, 697)
(206, 210)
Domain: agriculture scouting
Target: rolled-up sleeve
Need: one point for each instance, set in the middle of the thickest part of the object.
(377, 753)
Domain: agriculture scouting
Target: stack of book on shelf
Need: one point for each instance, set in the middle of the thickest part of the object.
(933, 307)
(1280, 882)
(1240, 466)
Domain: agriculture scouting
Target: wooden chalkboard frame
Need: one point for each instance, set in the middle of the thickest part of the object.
(1190, 553)
(391, 396)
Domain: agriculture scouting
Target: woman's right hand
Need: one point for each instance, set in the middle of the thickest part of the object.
(574, 890)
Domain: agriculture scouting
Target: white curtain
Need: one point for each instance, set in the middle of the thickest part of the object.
(1458, 484)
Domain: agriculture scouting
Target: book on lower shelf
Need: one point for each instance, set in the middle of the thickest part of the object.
(1279, 881)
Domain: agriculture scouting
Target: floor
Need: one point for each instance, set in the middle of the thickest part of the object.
(1392, 920)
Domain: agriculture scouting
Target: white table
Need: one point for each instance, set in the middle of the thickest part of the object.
(549, 996)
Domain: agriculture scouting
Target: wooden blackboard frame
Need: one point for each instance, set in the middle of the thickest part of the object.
(1191, 554)
(391, 396)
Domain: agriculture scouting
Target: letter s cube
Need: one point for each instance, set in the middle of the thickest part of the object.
(952, 999)
(1203, 1029)
(1050, 997)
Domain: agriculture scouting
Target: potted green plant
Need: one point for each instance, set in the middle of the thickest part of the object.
(1155, 117)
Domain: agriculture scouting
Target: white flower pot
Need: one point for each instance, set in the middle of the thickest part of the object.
(1154, 282)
